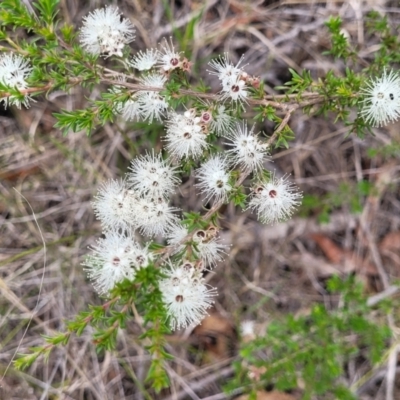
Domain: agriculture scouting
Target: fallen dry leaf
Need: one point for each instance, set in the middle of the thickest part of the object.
(331, 250)
(390, 250)
(346, 260)
(316, 265)
(216, 337)
(14, 175)
(391, 242)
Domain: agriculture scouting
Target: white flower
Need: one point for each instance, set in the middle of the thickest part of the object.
(222, 123)
(185, 295)
(141, 257)
(185, 137)
(247, 328)
(113, 205)
(113, 260)
(152, 104)
(232, 77)
(236, 90)
(169, 59)
(158, 218)
(104, 32)
(225, 70)
(14, 70)
(143, 61)
(129, 109)
(142, 211)
(381, 104)
(174, 237)
(214, 179)
(276, 200)
(247, 150)
(152, 176)
(207, 247)
(144, 104)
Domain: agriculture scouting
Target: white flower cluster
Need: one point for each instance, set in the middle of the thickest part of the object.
(275, 200)
(186, 295)
(144, 104)
(221, 123)
(186, 138)
(185, 135)
(213, 178)
(170, 59)
(207, 247)
(116, 257)
(157, 64)
(381, 103)
(105, 32)
(152, 176)
(141, 201)
(234, 80)
(14, 70)
(247, 151)
(166, 58)
(138, 202)
(144, 61)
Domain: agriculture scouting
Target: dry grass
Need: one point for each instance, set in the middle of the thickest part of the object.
(269, 271)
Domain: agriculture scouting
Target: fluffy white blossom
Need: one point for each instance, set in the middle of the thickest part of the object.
(143, 61)
(236, 90)
(185, 295)
(169, 58)
(381, 103)
(142, 210)
(222, 123)
(232, 77)
(113, 204)
(185, 137)
(208, 248)
(115, 257)
(225, 70)
(152, 104)
(275, 200)
(14, 70)
(105, 32)
(155, 216)
(141, 256)
(175, 236)
(144, 104)
(130, 109)
(213, 178)
(152, 176)
(246, 148)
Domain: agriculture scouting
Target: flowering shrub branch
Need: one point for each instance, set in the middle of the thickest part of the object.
(151, 262)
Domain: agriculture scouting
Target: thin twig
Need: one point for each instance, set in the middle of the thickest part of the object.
(391, 373)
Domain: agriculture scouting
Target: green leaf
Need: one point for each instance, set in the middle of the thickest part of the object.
(48, 9)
